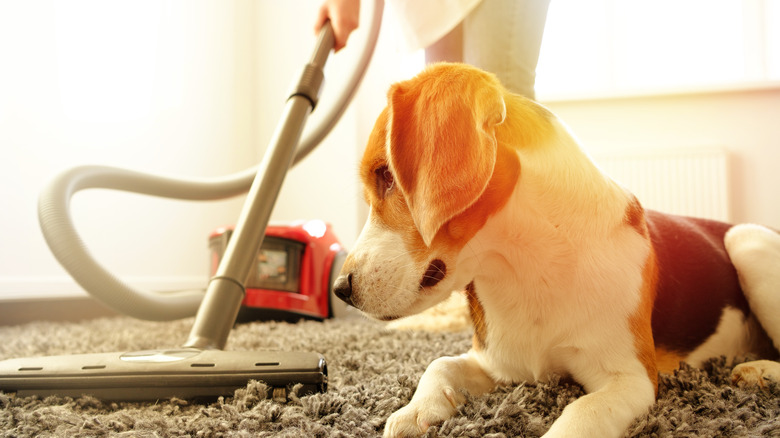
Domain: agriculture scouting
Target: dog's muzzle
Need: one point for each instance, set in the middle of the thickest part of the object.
(435, 273)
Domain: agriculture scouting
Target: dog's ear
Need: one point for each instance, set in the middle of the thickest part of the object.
(441, 141)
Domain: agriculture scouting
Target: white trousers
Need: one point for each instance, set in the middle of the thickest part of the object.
(499, 36)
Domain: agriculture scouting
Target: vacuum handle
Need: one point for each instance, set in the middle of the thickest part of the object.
(325, 42)
(222, 302)
(320, 129)
(309, 84)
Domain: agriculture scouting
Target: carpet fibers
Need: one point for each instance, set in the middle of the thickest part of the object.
(373, 372)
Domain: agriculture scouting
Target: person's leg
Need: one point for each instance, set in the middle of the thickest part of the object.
(504, 38)
(449, 48)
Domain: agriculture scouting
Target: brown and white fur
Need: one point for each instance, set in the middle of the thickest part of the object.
(472, 187)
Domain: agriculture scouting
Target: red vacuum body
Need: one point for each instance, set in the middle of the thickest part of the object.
(294, 272)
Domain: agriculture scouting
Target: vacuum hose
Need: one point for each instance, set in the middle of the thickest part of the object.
(71, 252)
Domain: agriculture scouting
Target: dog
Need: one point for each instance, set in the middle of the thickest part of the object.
(474, 188)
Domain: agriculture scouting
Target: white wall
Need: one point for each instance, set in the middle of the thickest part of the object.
(161, 87)
(742, 121)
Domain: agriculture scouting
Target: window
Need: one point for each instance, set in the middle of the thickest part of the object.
(618, 47)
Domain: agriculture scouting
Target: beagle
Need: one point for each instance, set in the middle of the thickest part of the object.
(472, 187)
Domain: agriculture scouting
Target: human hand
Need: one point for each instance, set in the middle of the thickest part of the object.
(344, 16)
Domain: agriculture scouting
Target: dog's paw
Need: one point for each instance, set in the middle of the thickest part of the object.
(415, 418)
(757, 373)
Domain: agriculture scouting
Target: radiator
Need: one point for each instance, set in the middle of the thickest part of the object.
(691, 182)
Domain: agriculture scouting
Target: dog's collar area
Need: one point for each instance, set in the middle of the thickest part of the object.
(434, 274)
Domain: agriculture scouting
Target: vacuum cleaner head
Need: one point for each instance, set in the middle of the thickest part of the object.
(185, 373)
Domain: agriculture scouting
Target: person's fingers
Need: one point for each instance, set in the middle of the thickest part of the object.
(322, 17)
(342, 21)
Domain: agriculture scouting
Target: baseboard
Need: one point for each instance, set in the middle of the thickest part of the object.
(16, 312)
(55, 287)
(28, 299)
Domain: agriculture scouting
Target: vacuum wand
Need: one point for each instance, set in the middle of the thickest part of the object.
(222, 302)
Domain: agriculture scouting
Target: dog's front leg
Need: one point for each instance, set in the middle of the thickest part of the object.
(606, 412)
(440, 391)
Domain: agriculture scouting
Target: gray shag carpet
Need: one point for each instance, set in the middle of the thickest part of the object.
(373, 372)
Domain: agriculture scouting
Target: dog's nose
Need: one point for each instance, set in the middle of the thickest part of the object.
(343, 288)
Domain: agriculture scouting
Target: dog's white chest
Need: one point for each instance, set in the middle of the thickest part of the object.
(524, 349)
(537, 326)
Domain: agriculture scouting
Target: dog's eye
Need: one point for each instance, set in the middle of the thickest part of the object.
(385, 182)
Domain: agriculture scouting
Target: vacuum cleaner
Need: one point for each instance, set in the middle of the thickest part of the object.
(293, 274)
(200, 368)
